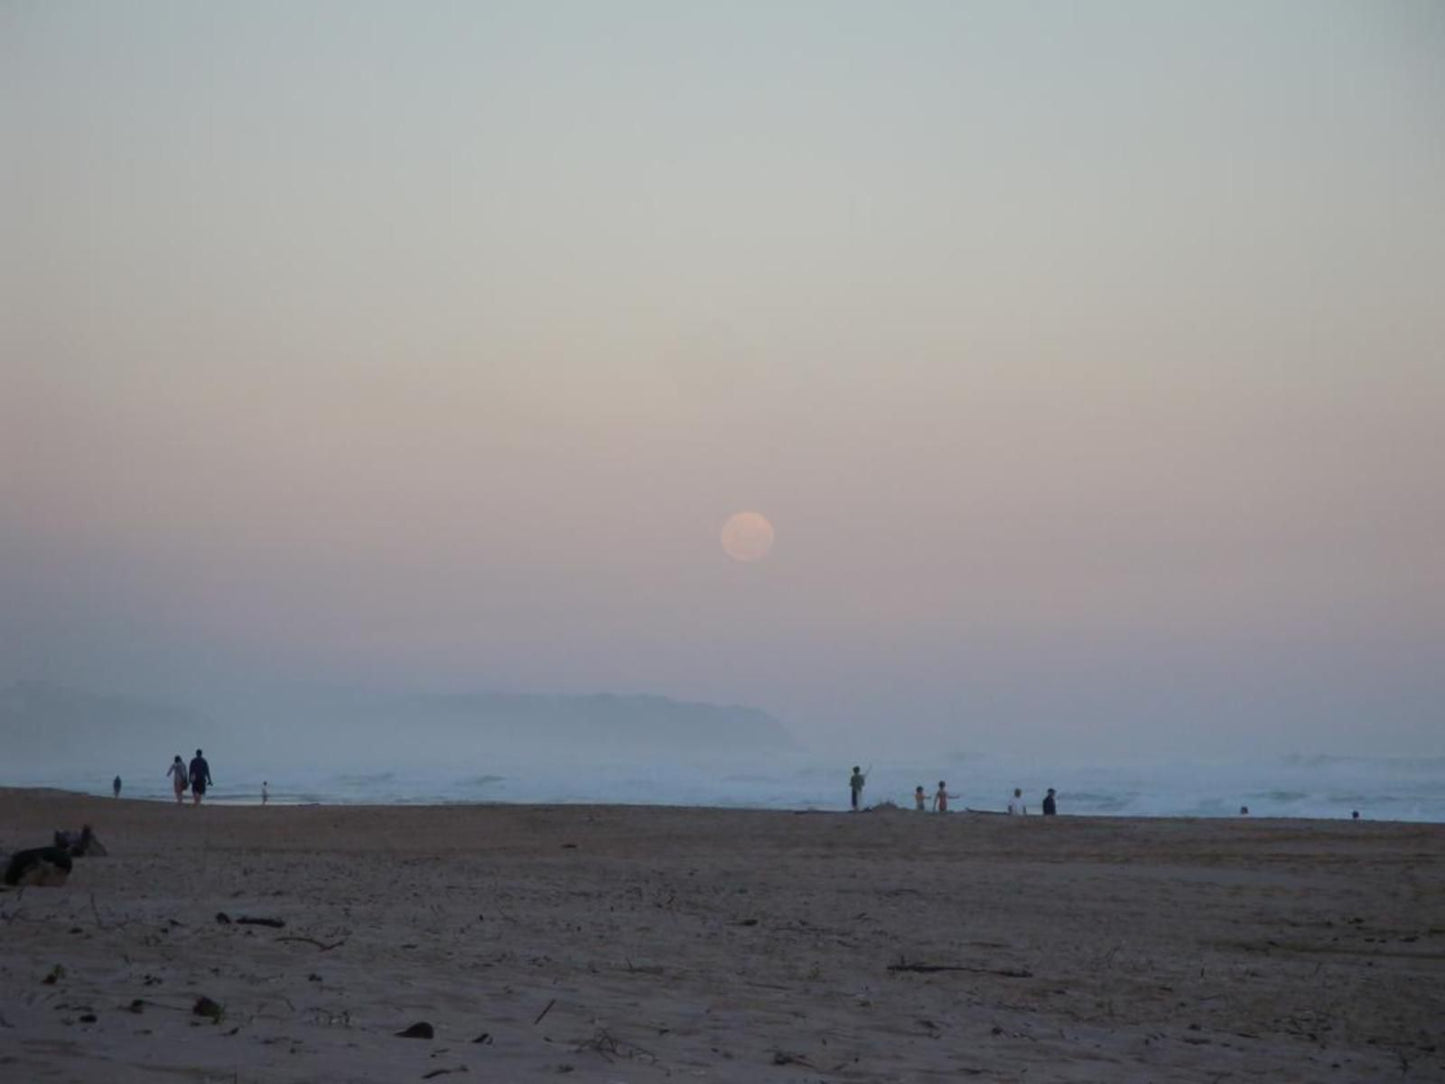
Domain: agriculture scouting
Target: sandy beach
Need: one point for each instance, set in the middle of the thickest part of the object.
(639, 944)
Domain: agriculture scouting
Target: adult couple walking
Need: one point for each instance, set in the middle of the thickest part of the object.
(197, 776)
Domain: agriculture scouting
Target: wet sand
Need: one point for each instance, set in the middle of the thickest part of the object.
(640, 944)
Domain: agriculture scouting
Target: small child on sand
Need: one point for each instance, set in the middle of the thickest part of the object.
(941, 797)
(920, 800)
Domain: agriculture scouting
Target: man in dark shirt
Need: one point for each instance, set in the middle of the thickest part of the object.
(200, 777)
(1050, 809)
(855, 785)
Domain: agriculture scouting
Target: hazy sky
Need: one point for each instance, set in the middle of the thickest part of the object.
(1089, 360)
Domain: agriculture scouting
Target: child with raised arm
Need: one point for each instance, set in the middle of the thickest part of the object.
(941, 797)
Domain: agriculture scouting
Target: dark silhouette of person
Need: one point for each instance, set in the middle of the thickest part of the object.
(115, 786)
(941, 797)
(1050, 808)
(855, 784)
(200, 777)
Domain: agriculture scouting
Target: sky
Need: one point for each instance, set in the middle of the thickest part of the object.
(1087, 360)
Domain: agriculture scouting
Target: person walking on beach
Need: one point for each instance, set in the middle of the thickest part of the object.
(115, 786)
(855, 785)
(177, 772)
(1050, 806)
(1016, 807)
(200, 777)
(941, 797)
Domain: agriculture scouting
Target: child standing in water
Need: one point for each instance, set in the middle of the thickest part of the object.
(920, 800)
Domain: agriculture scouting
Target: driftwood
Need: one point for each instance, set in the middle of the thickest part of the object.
(312, 941)
(246, 920)
(1005, 972)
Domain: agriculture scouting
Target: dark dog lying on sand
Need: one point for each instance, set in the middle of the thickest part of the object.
(52, 865)
(38, 866)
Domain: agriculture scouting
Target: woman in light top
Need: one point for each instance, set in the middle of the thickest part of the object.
(177, 772)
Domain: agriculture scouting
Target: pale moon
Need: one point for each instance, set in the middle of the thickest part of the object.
(747, 536)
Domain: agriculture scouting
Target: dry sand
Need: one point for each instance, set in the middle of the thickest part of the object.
(642, 944)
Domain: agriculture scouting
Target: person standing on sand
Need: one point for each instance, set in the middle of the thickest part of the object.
(1050, 806)
(200, 777)
(856, 783)
(920, 800)
(177, 772)
(1016, 807)
(115, 786)
(265, 792)
(941, 797)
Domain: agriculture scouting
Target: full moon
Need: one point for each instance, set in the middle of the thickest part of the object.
(747, 536)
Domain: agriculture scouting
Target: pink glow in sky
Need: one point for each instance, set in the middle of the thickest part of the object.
(1092, 359)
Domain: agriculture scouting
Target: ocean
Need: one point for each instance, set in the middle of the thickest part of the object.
(1403, 789)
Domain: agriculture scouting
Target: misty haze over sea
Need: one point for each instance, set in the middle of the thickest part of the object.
(489, 747)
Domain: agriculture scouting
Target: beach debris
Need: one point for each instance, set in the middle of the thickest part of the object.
(1004, 972)
(211, 1010)
(420, 1030)
(443, 1072)
(323, 946)
(136, 1006)
(609, 1046)
(782, 1057)
(39, 866)
(55, 974)
(223, 919)
(485, 1038)
(544, 1012)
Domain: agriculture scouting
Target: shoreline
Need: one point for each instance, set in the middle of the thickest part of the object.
(880, 809)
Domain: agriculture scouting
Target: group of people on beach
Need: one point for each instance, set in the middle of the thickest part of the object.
(196, 776)
(1016, 805)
